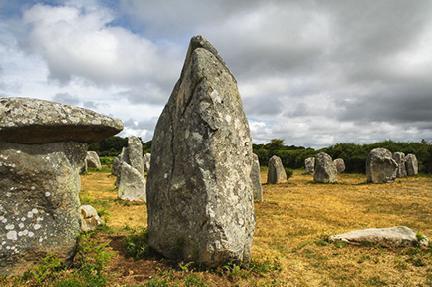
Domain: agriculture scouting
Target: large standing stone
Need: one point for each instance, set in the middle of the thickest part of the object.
(411, 164)
(340, 165)
(147, 157)
(276, 171)
(400, 236)
(325, 169)
(256, 179)
(380, 166)
(309, 164)
(92, 160)
(399, 158)
(39, 182)
(90, 219)
(199, 188)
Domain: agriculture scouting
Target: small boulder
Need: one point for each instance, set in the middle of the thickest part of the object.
(92, 160)
(399, 158)
(90, 219)
(325, 170)
(380, 166)
(411, 164)
(309, 165)
(340, 165)
(276, 171)
(400, 236)
(256, 179)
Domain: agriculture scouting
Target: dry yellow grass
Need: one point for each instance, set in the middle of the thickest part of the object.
(296, 216)
(292, 223)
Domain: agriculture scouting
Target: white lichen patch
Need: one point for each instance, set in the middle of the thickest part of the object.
(37, 226)
(12, 235)
(47, 194)
(10, 227)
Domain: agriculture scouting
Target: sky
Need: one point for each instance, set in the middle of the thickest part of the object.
(313, 73)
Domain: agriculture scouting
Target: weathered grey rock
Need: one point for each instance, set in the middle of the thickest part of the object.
(89, 218)
(117, 161)
(24, 120)
(399, 158)
(276, 171)
(135, 154)
(199, 188)
(131, 185)
(340, 165)
(325, 169)
(399, 236)
(92, 160)
(380, 166)
(147, 157)
(39, 187)
(411, 164)
(256, 179)
(309, 164)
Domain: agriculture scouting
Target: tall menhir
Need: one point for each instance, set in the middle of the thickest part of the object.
(199, 189)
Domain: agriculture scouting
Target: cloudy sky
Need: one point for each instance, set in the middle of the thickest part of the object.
(311, 72)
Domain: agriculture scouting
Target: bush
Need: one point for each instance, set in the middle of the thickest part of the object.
(289, 172)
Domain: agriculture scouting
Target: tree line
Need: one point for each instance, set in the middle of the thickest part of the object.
(293, 157)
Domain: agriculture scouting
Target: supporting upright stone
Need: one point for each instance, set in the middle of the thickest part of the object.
(380, 166)
(309, 165)
(276, 171)
(39, 177)
(199, 188)
(340, 165)
(411, 164)
(256, 179)
(325, 169)
(399, 158)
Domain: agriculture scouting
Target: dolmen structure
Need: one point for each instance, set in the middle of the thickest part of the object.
(128, 167)
(200, 197)
(380, 166)
(43, 146)
(276, 171)
(309, 165)
(325, 169)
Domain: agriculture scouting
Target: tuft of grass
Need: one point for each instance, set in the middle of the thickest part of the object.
(136, 245)
(192, 280)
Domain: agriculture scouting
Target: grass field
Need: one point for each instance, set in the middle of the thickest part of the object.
(290, 246)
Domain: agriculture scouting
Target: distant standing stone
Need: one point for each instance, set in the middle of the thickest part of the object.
(325, 169)
(399, 158)
(90, 219)
(131, 186)
(309, 164)
(92, 160)
(380, 166)
(340, 165)
(199, 191)
(400, 236)
(276, 171)
(256, 179)
(411, 164)
(135, 153)
(147, 157)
